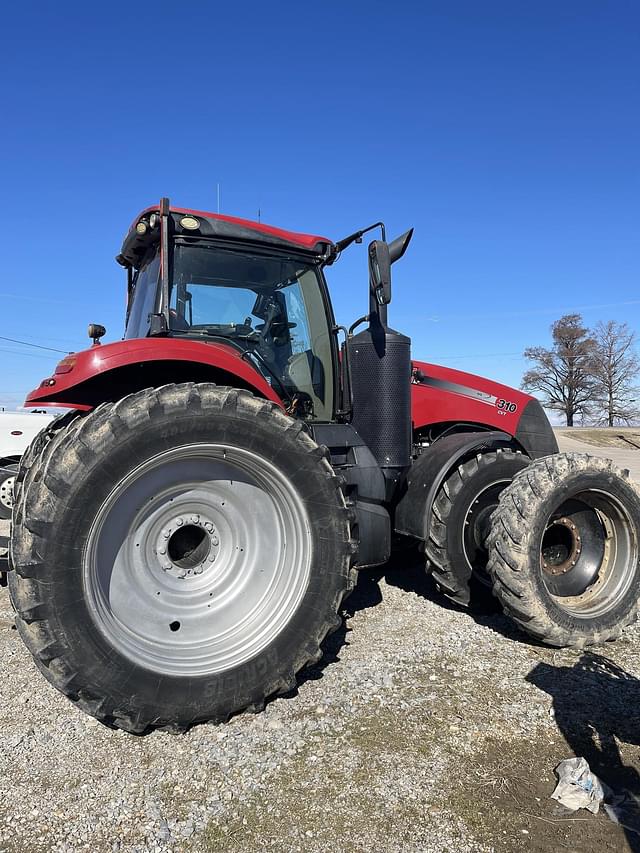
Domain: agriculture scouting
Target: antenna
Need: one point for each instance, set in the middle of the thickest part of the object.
(258, 214)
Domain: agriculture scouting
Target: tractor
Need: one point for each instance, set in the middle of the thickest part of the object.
(183, 537)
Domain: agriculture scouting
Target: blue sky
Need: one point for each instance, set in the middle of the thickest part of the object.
(506, 133)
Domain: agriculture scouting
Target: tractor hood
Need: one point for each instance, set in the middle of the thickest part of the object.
(77, 377)
(455, 396)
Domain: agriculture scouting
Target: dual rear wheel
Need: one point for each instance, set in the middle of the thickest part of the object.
(556, 542)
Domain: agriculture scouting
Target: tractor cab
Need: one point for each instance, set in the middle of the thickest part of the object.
(259, 291)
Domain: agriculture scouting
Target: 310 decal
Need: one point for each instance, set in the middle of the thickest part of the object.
(506, 407)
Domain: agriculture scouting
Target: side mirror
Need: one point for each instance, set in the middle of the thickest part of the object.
(380, 271)
(398, 247)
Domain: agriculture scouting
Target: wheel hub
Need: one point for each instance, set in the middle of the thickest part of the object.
(187, 545)
(574, 551)
(562, 547)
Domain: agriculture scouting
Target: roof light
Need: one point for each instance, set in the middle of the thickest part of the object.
(141, 227)
(190, 223)
(154, 220)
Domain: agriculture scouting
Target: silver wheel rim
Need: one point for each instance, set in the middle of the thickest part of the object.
(6, 492)
(197, 560)
(591, 581)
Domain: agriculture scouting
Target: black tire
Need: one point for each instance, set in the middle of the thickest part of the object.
(76, 474)
(459, 522)
(34, 451)
(7, 491)
(564, 550)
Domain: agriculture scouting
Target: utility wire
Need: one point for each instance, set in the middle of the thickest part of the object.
(37, 346)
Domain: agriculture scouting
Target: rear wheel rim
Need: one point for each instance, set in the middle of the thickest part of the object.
(589, 554)
(197, 560)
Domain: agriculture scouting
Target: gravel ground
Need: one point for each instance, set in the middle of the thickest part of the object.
(424, 728)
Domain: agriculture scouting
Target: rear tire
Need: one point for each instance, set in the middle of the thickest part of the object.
(455, 550)
(190, 540)
(564, 550)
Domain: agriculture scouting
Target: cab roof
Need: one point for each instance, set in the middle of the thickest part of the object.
(221, 227)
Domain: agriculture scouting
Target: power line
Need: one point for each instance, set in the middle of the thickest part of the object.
(37, 346)
(24, 354)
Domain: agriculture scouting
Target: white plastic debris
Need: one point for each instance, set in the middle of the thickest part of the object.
(578, 787)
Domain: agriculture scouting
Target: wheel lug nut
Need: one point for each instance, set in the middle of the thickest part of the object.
(195, 519)
(215, 540)
(179, 522)
(162, 551)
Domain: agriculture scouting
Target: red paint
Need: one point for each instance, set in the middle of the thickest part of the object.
(305, 241)
(437, 405)
(430, 405)
(96, 360)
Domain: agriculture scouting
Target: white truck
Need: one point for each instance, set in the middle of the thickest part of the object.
(17, 430)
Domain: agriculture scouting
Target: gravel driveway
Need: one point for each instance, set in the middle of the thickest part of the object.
(424, 728)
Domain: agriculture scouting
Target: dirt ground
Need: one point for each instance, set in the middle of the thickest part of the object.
(424, 728)
(626, 438)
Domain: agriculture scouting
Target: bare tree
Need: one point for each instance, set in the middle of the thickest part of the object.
(563, 375)
(615, 370)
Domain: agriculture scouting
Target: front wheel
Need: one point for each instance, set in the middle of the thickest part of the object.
(459, 523)
(182, 555)
(564, 550)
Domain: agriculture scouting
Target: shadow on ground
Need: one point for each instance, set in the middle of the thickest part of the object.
(405, 570)
(597, 710)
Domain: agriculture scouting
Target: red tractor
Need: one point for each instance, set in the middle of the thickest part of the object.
(184, 537)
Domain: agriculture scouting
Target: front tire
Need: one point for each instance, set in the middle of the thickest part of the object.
(459, 523)
(564, 550)
(192, 541)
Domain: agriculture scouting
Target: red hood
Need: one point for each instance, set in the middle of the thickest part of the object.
(441, 394)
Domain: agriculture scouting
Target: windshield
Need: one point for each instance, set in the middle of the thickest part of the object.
(269, 307)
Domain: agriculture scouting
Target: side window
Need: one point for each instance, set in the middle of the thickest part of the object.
(311, 364)
(143, 300)
(297, 313)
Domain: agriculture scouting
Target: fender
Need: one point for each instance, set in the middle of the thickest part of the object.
(429, 471)
(81, 379)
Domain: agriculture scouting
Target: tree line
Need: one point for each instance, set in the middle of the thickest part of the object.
(588, 375)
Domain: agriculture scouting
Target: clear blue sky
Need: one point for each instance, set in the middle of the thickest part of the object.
(507, 133)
